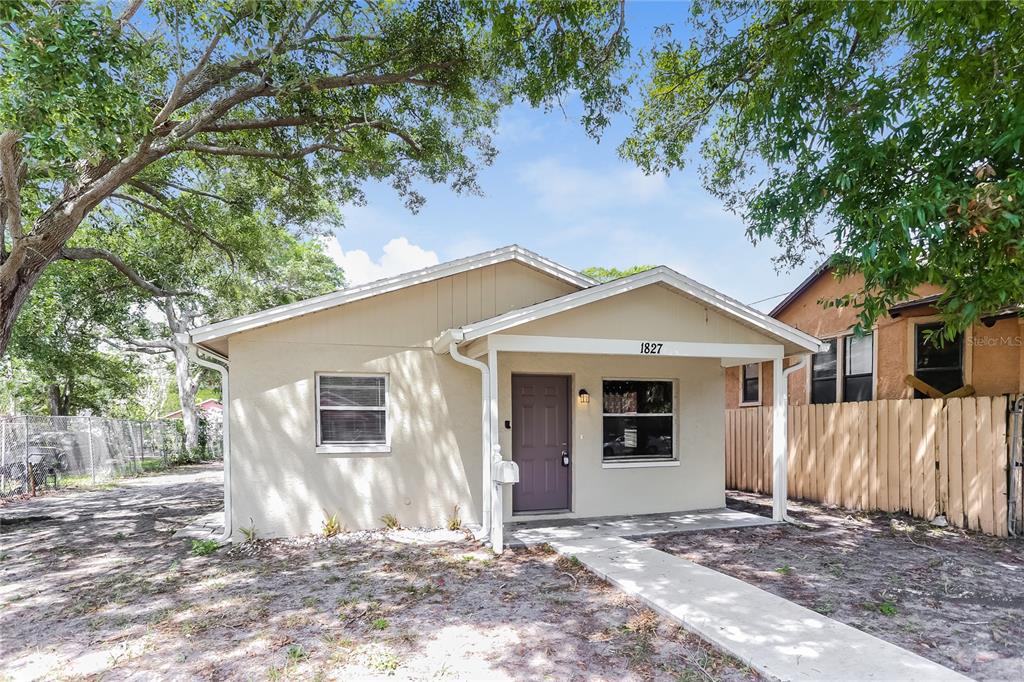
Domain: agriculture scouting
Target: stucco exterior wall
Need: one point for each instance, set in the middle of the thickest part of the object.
(280, 484)
(699, 480)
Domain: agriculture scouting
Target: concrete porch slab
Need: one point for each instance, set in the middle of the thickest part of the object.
(530, 533)
(207, 527)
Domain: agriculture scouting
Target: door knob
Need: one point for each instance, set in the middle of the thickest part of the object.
(565, 458)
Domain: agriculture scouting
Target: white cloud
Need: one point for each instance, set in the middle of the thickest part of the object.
(567, 188)
(399, 256)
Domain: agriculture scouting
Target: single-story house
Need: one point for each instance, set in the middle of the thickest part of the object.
(500, 386)
(210, 407)
(988, 358)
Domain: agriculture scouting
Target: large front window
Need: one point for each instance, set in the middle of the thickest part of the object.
(638, 420)
(824, 366)
(352, 409)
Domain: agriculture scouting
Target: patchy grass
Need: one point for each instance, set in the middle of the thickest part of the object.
(204, 547)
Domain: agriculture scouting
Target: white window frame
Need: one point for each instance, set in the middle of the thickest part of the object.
(759, 384)
(354, 448)
(640, 463)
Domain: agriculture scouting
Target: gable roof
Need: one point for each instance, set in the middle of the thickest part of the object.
(730, 307)
(288, 311)
(800, 288)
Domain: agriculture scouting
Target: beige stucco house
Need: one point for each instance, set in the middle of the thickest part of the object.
(504, 385)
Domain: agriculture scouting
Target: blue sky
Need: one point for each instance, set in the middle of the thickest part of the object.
(556, 191)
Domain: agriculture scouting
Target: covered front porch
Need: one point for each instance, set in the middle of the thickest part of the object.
(581, 419)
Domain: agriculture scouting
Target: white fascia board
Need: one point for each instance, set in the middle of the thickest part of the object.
(383, 286)
(659, 275)
(643, 347)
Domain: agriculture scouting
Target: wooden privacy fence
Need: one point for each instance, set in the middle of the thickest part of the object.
(923, 457)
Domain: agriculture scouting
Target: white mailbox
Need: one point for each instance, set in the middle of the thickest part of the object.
(506, 471)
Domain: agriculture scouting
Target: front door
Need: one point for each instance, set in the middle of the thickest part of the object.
(540, 436)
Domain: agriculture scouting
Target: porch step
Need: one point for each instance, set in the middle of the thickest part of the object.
(770, 634)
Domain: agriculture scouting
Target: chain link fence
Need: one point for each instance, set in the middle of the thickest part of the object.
(55, 452)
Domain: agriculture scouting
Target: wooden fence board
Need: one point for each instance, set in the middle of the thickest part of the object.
(942, 453)
(999, 465)
(872, 453)
(972, 489)
(917, 462)
(893, 454)
(954, 440)
(882, 455)
(932, 411)
(905, 453)
(986, 517)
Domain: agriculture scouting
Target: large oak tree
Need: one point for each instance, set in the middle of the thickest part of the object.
(286, 107)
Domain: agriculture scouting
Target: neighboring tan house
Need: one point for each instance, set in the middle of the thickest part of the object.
(500, 386)
(210, 407)
(989, 357)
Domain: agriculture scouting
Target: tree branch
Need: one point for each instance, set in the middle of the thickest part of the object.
(128, 13)
(92, 253)
(184, 221)
(232, 150)
(140, 346)
(192, 190)
(11, 168)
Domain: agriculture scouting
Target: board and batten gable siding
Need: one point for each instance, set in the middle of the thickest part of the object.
(653, 313)
(283, 487)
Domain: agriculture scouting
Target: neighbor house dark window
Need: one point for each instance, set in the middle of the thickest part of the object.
(750, 378)
(638, 418)
(352, 409)
(858, 362)
(940, 364)
(823, 374)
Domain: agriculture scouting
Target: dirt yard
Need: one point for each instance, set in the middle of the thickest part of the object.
(952, 597)
(92, 585)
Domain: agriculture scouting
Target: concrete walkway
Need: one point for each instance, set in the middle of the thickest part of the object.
(770, 634)
(530, 533)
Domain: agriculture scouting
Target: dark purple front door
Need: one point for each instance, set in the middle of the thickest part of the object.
(540, 434)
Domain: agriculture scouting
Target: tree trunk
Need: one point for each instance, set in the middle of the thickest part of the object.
(53, 398)
(188, 384)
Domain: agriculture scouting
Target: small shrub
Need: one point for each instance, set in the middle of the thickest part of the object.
(296, 653)
(204, 547)
(454, 521)
(784, 570)
(887, 608)
(390, 521)
(331, 525)
(380, 624)
(249, 532)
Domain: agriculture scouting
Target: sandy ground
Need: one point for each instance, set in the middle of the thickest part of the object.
(953, 597)
(92, 585)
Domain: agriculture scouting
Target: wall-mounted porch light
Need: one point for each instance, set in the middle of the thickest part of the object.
(584, 397)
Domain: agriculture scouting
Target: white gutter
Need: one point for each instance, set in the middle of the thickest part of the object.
(220, 366)
(455, 336)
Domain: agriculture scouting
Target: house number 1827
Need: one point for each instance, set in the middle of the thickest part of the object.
(650, 348)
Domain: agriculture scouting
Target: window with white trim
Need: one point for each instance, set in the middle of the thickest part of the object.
(824, 366)
(750, 384)
(639, 420)
(352, 409)
(858, 367)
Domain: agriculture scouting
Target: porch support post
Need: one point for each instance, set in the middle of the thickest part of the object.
(497, 510)
(780, 409)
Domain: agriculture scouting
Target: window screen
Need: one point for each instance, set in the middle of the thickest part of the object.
(750, 377)
(352, 409)
(824, 368)
(857, 368)
(638, 417)
(938, 364)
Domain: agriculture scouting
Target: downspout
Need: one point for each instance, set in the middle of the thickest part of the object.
(220, 366)
(784, 406)
(485, 426)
